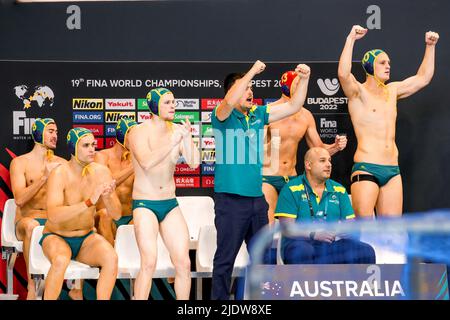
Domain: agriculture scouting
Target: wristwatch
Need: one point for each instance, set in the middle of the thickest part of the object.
(311, 235)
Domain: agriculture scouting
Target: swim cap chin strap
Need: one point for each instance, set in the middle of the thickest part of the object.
(368, 63)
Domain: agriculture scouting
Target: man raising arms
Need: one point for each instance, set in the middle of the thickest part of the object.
(376, 179)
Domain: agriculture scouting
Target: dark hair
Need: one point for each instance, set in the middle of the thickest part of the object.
(230, 79)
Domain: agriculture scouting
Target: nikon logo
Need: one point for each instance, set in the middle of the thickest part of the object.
(112, 116)
(87, 104)
(208, 156)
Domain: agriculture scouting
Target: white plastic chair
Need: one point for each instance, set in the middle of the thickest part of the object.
(129, 258)
(39, 264)
(9, 239)
(11, 247)
(198, 211)
(207, 245)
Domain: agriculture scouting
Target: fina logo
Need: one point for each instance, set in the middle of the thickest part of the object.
(328, 87)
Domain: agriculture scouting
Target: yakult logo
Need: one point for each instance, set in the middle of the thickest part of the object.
(120, 104)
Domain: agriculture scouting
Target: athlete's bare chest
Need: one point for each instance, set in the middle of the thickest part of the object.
(34, 174)
(374, 107)
(292, 128)
(159, 139)
(34, 171)
(78, 188)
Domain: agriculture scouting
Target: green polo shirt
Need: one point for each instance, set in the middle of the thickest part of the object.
(293, 202)
(239, 143)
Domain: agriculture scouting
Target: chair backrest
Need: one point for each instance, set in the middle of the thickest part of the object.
(129, 257)
(198, 211)
(207, 245)
(38, 263)
(126, 247)
(8, 237)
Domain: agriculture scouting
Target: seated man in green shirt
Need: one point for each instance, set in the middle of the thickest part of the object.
(311, 197)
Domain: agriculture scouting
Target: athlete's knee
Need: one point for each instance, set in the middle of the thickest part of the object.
(29, 228)
(60, 262)
(182, 263)
(108, 257)
(148, 264)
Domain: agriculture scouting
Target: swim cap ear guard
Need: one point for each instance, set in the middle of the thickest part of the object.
(154, 98)
(38, 129)
(286, 82)
(122, 128)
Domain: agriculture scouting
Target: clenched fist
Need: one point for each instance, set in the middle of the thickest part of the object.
(340, 142)
(357, 32)
(431, 38)
(303, 71)
(258, 67)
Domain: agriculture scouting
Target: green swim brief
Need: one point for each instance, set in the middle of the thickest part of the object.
(74, 243)
(278, 182)
(159, 207)
(382, 173)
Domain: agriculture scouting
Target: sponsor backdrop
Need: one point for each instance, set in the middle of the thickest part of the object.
(200, 31)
